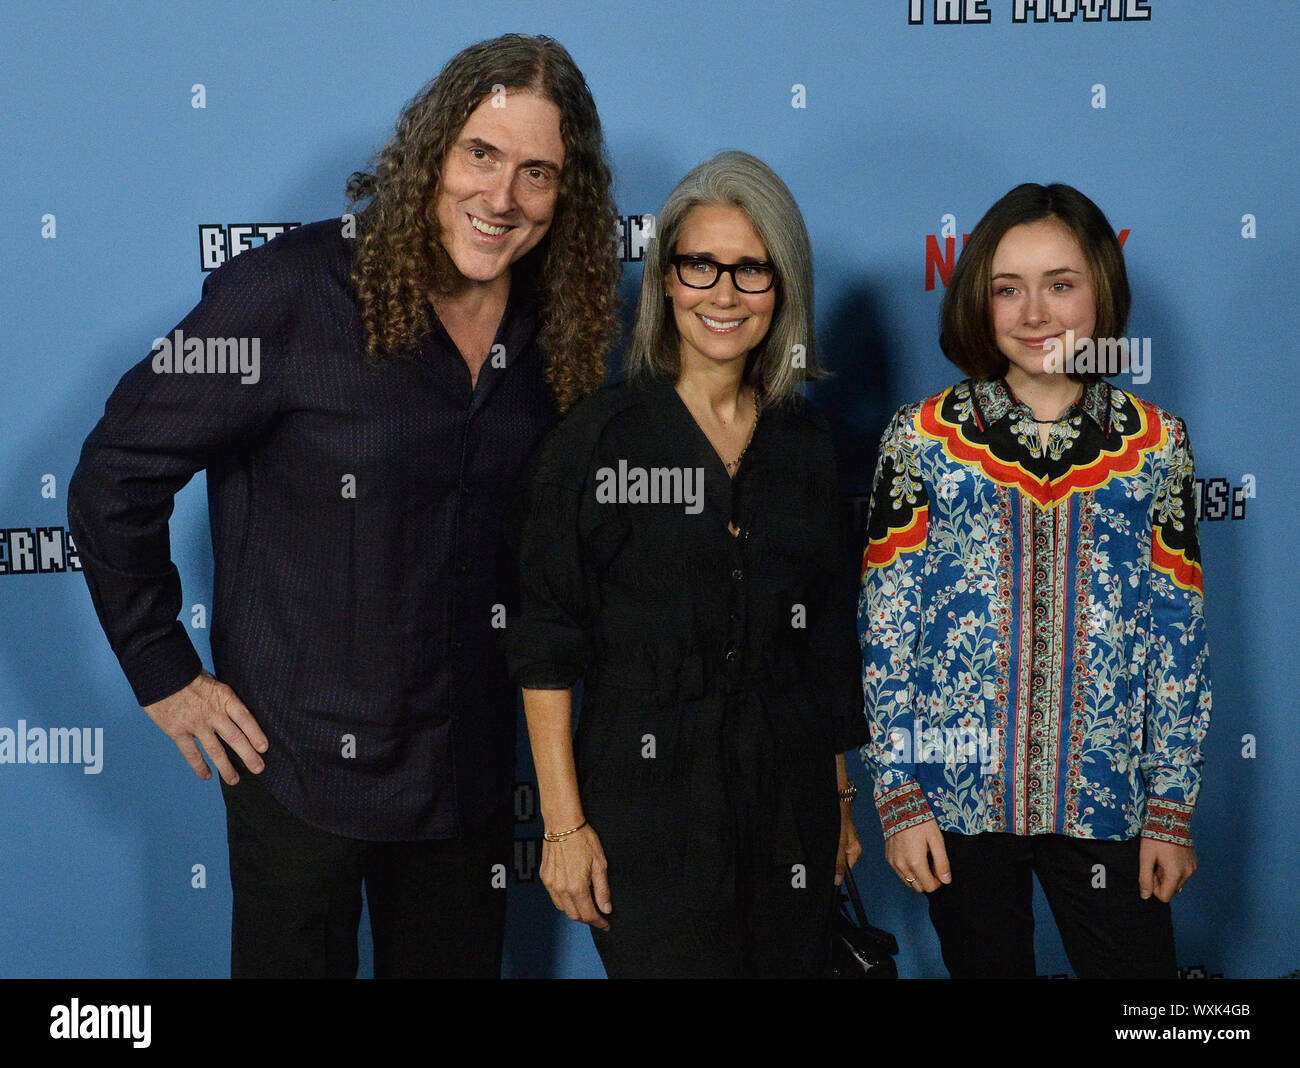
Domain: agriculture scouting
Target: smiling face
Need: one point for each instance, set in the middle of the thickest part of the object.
(722, 324)
(500, 179)
(1040, 289)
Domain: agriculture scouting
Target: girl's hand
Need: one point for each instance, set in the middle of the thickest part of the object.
(1163, 867)
(918, 856)
(574, 874)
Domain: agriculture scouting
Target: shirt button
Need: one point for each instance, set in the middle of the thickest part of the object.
(737, 574)
(729, 656)
(733, 618)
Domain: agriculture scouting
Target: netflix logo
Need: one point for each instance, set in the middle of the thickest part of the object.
(941, 251)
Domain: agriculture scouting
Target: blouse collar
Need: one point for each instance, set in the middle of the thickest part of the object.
(994, 400)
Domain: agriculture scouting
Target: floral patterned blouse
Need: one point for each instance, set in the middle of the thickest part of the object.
(1031, 619)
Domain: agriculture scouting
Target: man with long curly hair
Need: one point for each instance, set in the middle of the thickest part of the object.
(410, 356)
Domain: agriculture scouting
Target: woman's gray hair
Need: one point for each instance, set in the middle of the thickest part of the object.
(787, 355)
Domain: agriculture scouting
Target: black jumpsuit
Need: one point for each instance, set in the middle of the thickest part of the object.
(721, 674)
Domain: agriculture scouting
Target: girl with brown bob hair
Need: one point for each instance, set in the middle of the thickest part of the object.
(1032, 618)
(964, 320)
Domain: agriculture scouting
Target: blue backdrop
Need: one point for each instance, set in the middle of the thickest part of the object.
(131, 126)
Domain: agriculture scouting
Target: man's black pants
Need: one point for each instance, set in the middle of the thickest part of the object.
(985, 919)
(437, 909)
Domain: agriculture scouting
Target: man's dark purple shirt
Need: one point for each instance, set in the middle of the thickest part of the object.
(361, 577)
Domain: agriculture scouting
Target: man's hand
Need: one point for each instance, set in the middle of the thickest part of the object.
(1163, 867)
(206, 712)
(918, 856)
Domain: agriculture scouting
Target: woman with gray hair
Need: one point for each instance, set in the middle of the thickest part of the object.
(681, 554)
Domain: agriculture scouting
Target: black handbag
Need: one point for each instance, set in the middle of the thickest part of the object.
(858, 950)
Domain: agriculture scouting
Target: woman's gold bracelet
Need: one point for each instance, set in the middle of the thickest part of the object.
(560, 836)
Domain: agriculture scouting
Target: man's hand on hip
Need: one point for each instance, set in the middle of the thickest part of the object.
(206, 713)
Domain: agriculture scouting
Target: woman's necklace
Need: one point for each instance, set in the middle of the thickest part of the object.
(733, 465)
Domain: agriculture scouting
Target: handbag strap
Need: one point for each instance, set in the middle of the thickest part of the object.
(855, 899)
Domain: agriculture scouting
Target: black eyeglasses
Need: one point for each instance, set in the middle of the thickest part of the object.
(699, 272)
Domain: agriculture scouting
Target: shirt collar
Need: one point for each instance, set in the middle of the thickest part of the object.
(993, 401)
(521, 320)
(520, 323)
